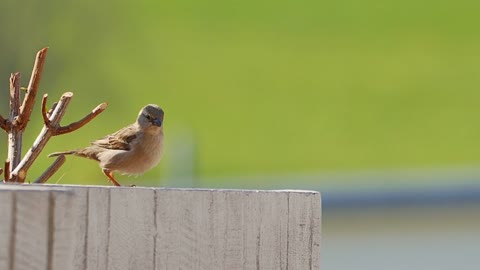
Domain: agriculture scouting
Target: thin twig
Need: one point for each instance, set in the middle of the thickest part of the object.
(4, 124)
(7, 171)
(51, 170)
(45, 115)
(76, 125)
(49, 113)
(14, 95)
(15, 133)
(29, 100)
(46, 133)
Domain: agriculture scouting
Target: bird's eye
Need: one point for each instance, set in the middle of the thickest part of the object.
(148, 116)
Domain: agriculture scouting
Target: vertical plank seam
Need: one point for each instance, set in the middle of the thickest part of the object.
(109, 214)
(259, 233)
(280, 249)
(87, 222)
(244, 236)
(243, 199)
(13, 232)
(155, 200)
(50, 229)
(225, 234)
(312, 231)
(258, 245)
(288, 228)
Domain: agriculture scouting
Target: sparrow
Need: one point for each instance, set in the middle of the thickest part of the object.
(134, 149)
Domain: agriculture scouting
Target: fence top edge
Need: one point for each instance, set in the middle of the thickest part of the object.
(30, 187)
(70, 187)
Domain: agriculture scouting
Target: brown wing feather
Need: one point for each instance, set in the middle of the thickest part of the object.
(119, 140)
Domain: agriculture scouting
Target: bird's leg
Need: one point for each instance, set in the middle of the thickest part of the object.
(109, 174)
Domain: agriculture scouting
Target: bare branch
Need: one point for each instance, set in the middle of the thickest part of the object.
(76, 125)
(45, 115)
(47, 132)
(51, 170)
(14, 95)
(29, 100)
(54, 105)
(16, 168)
(15, 133)
(7, 171)
(4, 124)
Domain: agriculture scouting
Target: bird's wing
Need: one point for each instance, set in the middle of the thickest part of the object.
(119, 140)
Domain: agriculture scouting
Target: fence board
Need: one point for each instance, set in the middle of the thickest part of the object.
(7, 206)
(159, 228)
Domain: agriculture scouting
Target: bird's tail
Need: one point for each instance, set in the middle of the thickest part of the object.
(83, 152)
(56, 154)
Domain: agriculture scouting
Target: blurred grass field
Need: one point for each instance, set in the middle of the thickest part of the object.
(264, 87)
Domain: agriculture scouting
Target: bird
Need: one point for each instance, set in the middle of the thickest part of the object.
(131, 150)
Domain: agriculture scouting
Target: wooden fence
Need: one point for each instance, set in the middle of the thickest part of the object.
(102, 228)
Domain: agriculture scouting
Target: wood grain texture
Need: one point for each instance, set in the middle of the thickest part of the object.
(36, 229)
(81, 229)
(6, 221)
(96, 241)
(131, 232)
(303, 222)
(237, 230)
(61, 230)
(158, 228)
(31, 232)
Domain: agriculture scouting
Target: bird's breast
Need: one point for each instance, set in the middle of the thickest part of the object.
(145, 153)
(150, 149)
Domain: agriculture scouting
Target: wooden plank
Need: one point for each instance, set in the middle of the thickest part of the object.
(7, 206)
(232, 224)
(98, 224)
(131, 231)
(37, 231)
(64, 221)
(170, 243)
(269, 227)
(303, 230)
(31, 230)
(80, 245)
(116, 228)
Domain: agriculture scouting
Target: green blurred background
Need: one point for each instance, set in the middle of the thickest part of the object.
(375, 103)
(259, 87)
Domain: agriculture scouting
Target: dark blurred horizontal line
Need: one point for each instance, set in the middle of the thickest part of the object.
(436, 197)
(442, 187)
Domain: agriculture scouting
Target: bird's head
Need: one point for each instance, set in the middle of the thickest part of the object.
(150, 116)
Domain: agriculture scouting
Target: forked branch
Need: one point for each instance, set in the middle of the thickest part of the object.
(16, 168)
(51, 128)
(59, 130)
(29, 100)
(80, 123)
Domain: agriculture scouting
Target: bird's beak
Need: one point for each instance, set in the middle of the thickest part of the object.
(157, 122)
